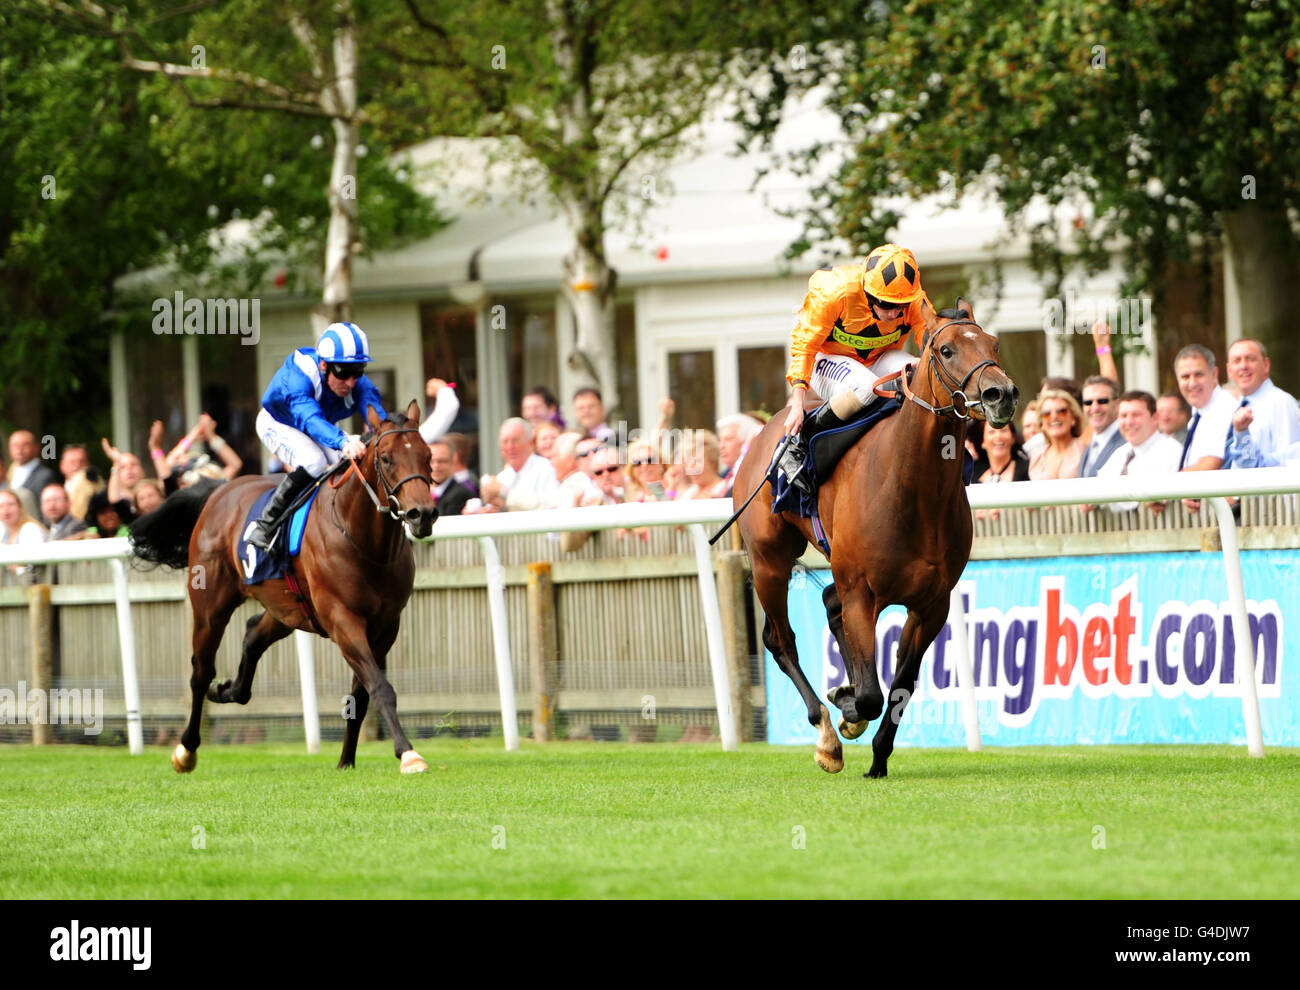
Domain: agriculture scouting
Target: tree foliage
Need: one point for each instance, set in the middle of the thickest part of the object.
(1165, 117)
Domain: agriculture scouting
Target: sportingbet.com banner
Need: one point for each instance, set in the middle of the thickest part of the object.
(1136, 648)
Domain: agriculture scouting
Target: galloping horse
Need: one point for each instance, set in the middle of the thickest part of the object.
(899, 527)
(356, 570)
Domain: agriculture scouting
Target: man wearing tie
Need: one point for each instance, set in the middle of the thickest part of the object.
(1212, 409)
(1269, 412)
(1100, 406)
(1145, 449)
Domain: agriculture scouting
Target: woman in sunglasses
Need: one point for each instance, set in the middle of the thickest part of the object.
(1062, 424)
(313, 390)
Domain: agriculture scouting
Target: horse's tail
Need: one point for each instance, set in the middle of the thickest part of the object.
(163, 536)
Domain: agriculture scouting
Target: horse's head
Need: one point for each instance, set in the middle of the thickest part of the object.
(399, 459)
(959, 365)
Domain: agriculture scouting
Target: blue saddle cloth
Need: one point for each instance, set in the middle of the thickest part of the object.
(267, 565)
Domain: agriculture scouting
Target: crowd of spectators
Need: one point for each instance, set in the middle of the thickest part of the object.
(1068, 430)
(38, 504)
(549, 464)
(1099, 430)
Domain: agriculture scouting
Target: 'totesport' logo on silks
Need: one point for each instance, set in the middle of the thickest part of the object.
(1052, 649)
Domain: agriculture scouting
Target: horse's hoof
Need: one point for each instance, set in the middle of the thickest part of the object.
(183, 761)
(830, 754)
(413, 762)
(214, 690)
(877, 771)
(834, 695)
(851, 730)
(831, 762)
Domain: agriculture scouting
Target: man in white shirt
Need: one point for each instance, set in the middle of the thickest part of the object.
(575, 484)
(1100, 405)
(527, 481)
(1145, 451)
(1272, 418)
(1212, 409)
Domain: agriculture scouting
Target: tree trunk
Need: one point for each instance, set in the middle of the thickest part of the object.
(588, 288)
(1265, 267)
(340, 98)
(588, 281)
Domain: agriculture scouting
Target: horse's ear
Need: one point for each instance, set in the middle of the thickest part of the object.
(413, 411)
(372, 417)
(931, 319)
(964, 307)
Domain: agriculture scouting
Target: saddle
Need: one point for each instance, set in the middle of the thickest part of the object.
(825, 451)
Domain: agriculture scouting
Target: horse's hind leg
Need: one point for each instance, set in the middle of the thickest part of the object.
(355, 715)
(918, 633)
(211, 614)
(835, 617)
(771, 582)
(260, 633)
(864, 701)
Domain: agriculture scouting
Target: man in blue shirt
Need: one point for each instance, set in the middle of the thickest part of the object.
(313, 390)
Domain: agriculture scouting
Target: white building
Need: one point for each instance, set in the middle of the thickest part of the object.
(705, 301)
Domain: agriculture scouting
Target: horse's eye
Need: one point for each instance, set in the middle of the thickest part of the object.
(946, 351)
(384, 458)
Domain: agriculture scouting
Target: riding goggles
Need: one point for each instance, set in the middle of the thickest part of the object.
(343, 372)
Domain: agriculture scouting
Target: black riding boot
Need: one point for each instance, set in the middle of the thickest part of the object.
(821, 419)
(289, 489)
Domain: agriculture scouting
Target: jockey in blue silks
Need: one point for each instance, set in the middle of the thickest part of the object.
(313, 390)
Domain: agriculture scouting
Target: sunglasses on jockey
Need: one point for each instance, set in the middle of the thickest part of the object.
(346, 372)
(883, 306)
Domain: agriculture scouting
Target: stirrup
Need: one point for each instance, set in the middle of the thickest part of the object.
(792, 461)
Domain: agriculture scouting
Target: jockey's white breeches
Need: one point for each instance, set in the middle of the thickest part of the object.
(834, 374)
(295, 448)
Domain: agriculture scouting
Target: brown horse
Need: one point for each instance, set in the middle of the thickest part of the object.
(898, 524)
(356, 569)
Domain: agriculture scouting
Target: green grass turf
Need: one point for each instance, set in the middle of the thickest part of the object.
(661, 820)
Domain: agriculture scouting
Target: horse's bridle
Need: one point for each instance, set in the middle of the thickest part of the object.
(956, 389)
(390, 491)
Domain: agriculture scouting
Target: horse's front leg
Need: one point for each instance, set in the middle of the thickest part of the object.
(349, 631)
(918, 633)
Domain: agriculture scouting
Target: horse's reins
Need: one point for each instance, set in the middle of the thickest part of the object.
(390, 491)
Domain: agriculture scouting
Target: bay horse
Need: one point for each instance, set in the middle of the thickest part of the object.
(356, 570)
(899, 527)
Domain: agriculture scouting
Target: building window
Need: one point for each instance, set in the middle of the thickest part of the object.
(447, 343)
(690, 384)
(761, 378)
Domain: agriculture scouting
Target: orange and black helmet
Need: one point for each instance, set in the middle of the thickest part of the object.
(890, 274)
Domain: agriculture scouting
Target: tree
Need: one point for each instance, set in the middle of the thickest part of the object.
(299, 62)
(1175, 121)
(581, 93)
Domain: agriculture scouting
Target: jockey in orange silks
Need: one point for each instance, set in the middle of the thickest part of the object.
(850, 334)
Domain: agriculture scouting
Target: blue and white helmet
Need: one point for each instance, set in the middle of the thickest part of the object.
(344, 343)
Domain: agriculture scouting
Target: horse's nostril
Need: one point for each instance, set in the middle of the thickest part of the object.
(413, 514)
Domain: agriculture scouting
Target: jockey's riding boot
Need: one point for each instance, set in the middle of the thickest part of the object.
(289, 489)
(827, 416)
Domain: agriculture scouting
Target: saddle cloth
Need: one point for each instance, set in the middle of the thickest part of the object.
(824, 452)
(267, 565)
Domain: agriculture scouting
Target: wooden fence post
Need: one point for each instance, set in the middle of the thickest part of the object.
(543, 649)
(735, 638)
(41, 634)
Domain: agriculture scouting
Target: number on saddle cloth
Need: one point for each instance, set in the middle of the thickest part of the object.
(267, 565)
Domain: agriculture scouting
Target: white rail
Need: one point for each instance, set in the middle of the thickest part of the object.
(1206, 484)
